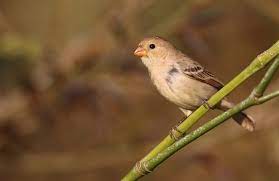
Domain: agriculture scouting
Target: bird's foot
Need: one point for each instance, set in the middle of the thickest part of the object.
(207, 105)
(141, 168)
(175, 133)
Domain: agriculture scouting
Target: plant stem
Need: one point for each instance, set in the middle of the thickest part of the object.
(268, 97)
(157, 160)
(259, 90)
(258, 63)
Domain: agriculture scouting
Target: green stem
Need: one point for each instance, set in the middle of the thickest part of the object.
(157, 160)
(259, 90)
(161, 157)
(258, 63)
(165, 154)
(268, 97)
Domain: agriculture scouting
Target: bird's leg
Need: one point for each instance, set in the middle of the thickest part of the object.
(207, 105)
(186, 112)
(175, 133)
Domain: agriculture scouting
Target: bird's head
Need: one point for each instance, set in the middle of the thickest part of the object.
(153, 49)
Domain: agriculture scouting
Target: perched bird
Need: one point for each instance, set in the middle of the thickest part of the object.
(182, 80)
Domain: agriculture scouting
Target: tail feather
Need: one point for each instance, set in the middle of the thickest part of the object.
(245, 121)
(241, 118)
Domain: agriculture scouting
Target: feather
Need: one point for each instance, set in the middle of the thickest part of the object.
(196, 71)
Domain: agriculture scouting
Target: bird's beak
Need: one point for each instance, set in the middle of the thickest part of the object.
(140, 52)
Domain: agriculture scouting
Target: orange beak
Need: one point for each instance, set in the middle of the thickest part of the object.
(140, 52)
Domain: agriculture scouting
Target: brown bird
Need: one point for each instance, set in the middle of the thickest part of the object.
(182, 80)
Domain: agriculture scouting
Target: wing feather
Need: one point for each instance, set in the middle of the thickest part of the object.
(196, 71)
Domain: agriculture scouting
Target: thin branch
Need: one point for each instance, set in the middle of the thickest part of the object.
(164, 150)
(154, 162)
(268, 97)
(259, 90)
(146, 167)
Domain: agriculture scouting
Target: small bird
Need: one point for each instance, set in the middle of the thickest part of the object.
(182, 80)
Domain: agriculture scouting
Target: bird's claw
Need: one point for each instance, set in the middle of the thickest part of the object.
(175, 133)
(207, 105)
(141, 168)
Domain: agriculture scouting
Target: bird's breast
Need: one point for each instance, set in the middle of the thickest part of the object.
(180, 89)
(170, 84)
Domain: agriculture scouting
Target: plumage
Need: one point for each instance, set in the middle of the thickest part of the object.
(182, 80)
(196, 71)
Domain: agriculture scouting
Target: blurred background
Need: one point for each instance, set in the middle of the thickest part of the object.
(75, 104)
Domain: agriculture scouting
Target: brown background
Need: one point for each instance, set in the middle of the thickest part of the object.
(75, 104)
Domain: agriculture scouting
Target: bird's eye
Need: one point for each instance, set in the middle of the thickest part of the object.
(152, 46)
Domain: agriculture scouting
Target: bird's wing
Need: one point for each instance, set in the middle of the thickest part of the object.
(196, 71)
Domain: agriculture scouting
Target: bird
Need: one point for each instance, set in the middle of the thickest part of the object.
(183, 81)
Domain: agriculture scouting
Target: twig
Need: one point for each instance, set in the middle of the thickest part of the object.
(258, 63)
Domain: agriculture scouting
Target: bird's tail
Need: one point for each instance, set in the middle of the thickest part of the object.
(241, 118)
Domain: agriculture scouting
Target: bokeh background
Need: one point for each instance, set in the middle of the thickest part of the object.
(75, 104)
